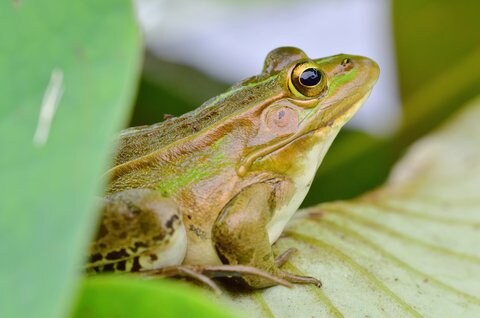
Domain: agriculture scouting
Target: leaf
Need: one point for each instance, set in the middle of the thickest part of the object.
(114, 296)
(407, 249)
(85, 55)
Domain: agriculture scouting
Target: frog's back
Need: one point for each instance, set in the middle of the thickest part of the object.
(140, 141)
(137, 142)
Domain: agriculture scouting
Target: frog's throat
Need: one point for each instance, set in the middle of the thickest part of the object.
(248, 160)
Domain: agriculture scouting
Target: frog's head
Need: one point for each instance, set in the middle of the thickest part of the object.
(312, 100)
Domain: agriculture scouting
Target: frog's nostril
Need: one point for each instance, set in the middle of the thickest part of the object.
(347, 64)
(346, 61)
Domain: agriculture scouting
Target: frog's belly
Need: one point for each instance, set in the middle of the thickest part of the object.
(310, 162)
(170, 254)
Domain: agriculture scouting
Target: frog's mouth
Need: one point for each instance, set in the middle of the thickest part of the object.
(338, 120)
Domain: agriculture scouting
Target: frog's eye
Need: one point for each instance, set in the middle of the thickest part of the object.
(310, 77)
(308, 80)
(282, 120)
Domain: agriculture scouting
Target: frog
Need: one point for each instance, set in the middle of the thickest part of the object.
(217, 185)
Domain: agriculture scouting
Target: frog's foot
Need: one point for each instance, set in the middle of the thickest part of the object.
(292, 278)
(205, 273)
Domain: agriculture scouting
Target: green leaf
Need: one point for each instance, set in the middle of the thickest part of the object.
(86, 56)
(407, 249)
(114, 296)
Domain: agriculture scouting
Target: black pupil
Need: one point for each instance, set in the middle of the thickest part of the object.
(310, 77)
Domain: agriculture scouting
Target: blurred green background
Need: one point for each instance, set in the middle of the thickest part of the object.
(48, 191)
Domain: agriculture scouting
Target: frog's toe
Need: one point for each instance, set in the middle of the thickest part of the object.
(284, 257)
(298, 279)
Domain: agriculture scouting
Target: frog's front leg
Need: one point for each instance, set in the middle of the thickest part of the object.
(139, 230)
(240, 235)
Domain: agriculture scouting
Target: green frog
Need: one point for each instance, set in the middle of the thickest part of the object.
(217, 185)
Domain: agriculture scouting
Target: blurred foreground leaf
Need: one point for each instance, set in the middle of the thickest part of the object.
(77, 61)
(116, 296)
(408, 249)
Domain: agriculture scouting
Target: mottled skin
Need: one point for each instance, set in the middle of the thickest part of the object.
(234, 170)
